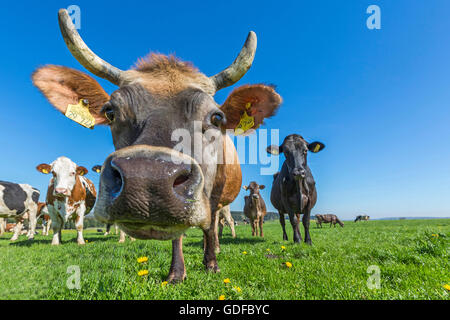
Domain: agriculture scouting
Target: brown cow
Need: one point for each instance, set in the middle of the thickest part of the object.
(255, 208)
(153, 187)
(332, 219)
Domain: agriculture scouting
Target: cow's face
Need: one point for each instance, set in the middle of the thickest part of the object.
(65, 174)
(295, 150)
(254, 188)
(149, 187)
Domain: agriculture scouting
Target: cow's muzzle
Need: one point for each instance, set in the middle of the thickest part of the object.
(151, 192)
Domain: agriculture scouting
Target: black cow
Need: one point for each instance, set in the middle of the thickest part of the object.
(20, 202)
(293, 188)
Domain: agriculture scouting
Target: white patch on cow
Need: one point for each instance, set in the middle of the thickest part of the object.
(65, 175)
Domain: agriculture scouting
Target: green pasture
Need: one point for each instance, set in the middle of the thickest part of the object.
(412, 257)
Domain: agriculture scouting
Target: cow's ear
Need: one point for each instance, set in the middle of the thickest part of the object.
(44, 168)
(245, 188)
(262, 187)
(316, 146)
(247, 106)
(275, 150)
(63, 86)
(82, 170)
(97, 168)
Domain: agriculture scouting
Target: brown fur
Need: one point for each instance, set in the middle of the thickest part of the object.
(229, 176)
(166, 75)
(63, 86)
(10, 227)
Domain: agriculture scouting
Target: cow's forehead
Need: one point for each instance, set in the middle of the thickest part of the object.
(253, 185)
(63, 164)
(294, 139)
(166, 76)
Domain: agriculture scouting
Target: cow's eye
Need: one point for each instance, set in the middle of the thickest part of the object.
(109, 114)
(217, 119)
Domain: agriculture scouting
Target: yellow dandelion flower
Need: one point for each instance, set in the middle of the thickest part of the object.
(163, 284)
(222, 297)
(237, 289)
(142, 259)
(245, 252)
(446, 287)
(86, 241)
(268, 250)
(288, 264)
(227, 280)
(143, 273)
(283, 248)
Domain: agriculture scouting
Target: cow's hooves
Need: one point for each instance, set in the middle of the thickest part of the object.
(213, 268)
(121, 241)
(176, 278)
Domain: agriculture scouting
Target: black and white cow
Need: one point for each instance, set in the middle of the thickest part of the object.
(19, 201)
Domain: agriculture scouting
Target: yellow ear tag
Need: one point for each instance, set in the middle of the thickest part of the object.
(80, 114)
(98, 170)
(44, 171)
(247, 122)
(316, 148)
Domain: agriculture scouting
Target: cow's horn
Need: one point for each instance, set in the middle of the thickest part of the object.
(83, 54)
(239, 67)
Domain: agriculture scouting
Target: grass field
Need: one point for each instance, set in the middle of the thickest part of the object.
(413, 257)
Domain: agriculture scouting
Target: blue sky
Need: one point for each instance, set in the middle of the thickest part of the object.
(378, 99)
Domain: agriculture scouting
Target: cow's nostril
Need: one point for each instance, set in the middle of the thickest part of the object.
(116, 181)
(181, 179)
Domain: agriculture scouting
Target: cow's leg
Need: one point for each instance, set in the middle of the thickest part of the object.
(17, 230)
(221, 224)
(32, 221)
(261, 221)
(2, 226)
(57, 225)
(108, 228)
(209, 259)
(294, 222)
(252, 222)
(283, 225)
(79, 223)
(230, 222)
(47, 227)
(122, 236)
(306, 220)
(117, 228)
(216, 233)
(177, 271)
